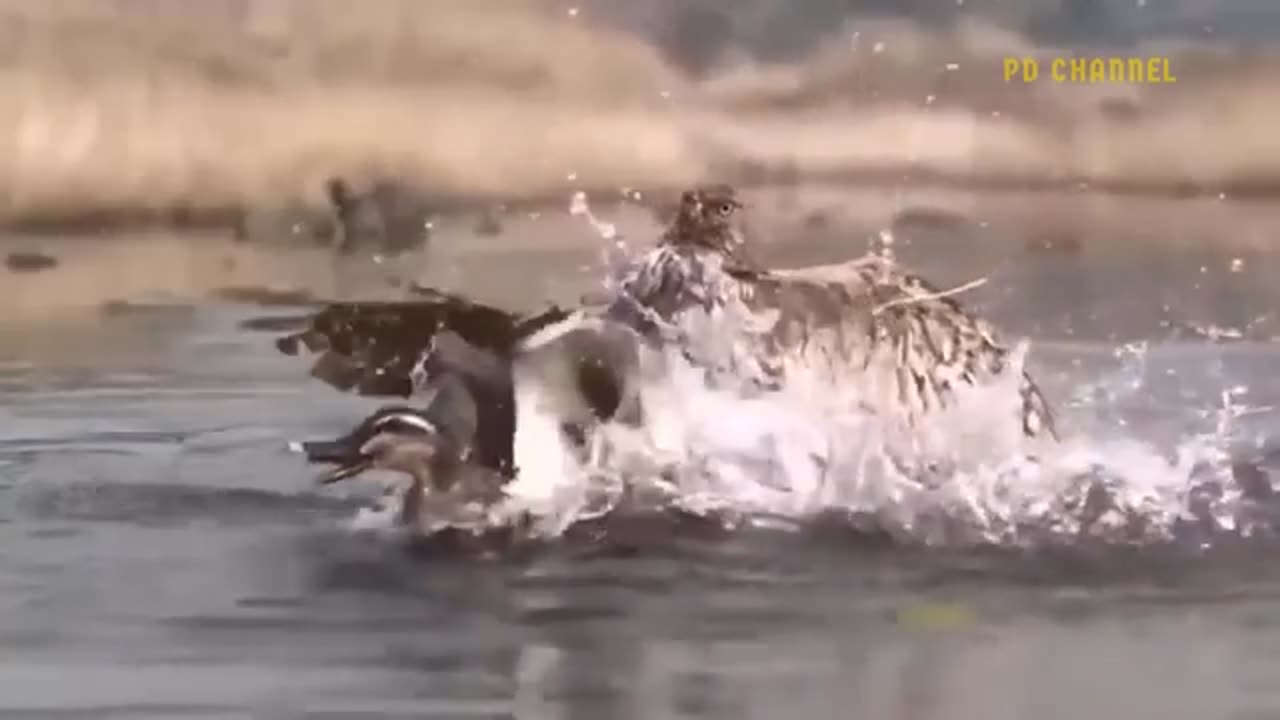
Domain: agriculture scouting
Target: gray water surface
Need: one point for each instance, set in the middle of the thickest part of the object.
(163, 556)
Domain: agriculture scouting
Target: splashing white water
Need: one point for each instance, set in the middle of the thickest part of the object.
(714, 453)
(710, 451)
(962, 475)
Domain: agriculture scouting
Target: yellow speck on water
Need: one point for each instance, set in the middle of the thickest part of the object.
(936, 616)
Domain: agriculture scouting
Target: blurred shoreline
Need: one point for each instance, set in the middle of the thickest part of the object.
(548, 255)
(115, 114)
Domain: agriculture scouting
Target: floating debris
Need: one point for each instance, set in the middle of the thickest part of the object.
(266, 296)
(30, 261)
(926, 218)
(488, 224)
(385, 217)
(276, 323)
(127, 308)
(816, 219)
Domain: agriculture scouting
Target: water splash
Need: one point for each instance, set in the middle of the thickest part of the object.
(963, 475)
(713, 453)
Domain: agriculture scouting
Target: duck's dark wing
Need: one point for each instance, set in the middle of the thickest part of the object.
(373, 348)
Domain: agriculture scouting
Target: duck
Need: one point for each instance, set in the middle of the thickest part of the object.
(439, 486)
(443, 340)
(478, 377)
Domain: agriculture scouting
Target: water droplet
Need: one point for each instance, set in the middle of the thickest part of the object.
(878, 47)
(928, 99)
(573, 11)
(1237, 265)
(953, 66)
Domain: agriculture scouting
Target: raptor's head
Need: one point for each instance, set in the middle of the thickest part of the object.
(707, 217)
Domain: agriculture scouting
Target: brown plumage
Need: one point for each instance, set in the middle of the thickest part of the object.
(838, 324)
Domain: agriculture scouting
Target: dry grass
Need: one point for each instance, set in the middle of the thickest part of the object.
(108, 110)
(134, 105)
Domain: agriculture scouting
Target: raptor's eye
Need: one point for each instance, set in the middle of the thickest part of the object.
(725, 208)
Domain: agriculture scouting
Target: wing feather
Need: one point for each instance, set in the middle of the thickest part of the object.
(375, 347)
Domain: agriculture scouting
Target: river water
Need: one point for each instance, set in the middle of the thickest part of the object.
(163, 556)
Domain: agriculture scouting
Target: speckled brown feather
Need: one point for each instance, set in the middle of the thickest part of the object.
(864, 311)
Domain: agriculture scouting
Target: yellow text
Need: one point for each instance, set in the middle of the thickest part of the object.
(1091, 70)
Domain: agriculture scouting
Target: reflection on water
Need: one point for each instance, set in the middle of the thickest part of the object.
(159, 546)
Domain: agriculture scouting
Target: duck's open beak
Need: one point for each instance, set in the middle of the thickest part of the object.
(344, 454)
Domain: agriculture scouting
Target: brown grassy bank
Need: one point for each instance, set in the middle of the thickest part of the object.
(130, 110)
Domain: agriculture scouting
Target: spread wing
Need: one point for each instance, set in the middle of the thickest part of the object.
(846, 320)
(936, 341)
(374, 348)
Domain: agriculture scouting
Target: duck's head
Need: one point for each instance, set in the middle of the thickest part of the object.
(707, 217)
(399, 439)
